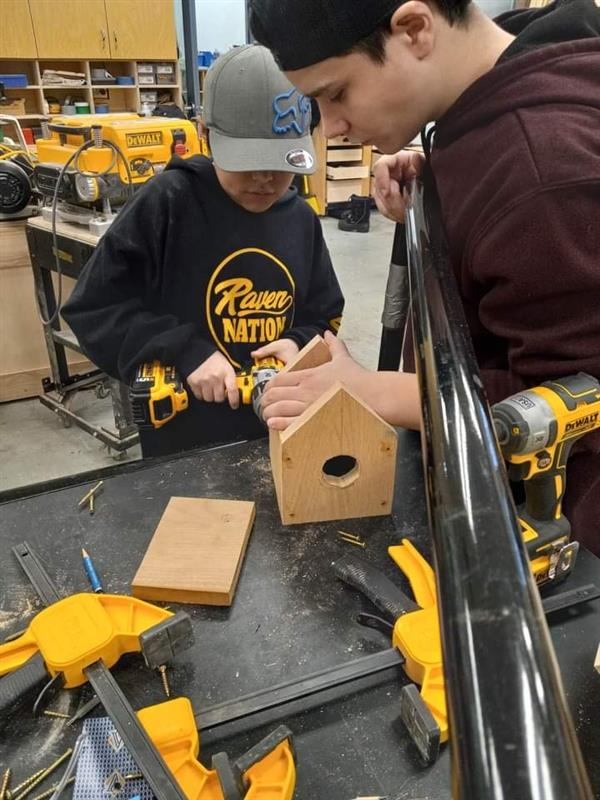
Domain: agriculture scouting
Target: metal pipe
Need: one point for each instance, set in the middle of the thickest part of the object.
(190, 48)
(511, 735)
(396, 304)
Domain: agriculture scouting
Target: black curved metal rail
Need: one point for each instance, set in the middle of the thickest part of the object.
(511, 733)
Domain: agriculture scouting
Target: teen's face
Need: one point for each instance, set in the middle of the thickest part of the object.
(383, 104)
(254, 191)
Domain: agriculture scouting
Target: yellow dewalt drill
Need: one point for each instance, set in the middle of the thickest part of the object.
(536, 430)
(157, 393)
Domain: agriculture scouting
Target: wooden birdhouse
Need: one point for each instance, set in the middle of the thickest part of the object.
(337, 460)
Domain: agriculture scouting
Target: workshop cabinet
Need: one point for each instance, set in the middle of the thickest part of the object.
(23, 353)
(124, 29)
(70, 28)
(343, 169)
(141, 28)
(16, 30)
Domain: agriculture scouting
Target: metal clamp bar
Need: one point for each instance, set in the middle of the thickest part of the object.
(137, 741)
(35, 571)
(314, 689)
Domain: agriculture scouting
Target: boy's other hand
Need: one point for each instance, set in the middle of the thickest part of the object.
(391, 174)
(290, 393)
(214, 381)
(283, 349)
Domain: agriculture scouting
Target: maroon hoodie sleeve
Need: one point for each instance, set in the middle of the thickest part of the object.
(539, 265)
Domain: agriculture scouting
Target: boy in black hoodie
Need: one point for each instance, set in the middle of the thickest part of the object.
(214, 263)
(516, 159)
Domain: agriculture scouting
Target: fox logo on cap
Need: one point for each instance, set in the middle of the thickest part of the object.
(293, 117)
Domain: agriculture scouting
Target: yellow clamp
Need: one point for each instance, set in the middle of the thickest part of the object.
(417, 635)
(75, 632)
(172, 728)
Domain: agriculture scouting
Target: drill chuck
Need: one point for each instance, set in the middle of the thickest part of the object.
(524, 423)
(261, 378)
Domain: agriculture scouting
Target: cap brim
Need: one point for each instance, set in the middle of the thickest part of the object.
(250, 155)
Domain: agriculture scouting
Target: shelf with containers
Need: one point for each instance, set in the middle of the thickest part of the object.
(343, 169)
(133, 84)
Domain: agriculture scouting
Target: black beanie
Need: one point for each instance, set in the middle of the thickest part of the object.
(302, 32)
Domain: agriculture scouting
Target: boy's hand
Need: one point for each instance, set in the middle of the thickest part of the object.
(214, 381)
(283, 349)
(391, 174)
(290, 394)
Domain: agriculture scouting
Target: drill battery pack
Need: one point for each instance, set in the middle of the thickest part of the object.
(157, 394)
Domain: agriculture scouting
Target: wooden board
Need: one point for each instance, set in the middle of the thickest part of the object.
(338, 154)
(340, 191)
(345, 171)
(313, 354)
(196, 553)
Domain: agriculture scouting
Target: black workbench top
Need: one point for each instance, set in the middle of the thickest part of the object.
(290, 617)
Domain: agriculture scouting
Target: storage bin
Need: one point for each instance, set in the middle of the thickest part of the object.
(340, 191)
(205, 58)
(14, 80)
(16, 107)
(345, 171)
(337, 154)
(125, 80)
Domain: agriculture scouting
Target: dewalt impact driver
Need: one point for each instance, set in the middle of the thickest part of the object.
(536, 430)
(157, 393)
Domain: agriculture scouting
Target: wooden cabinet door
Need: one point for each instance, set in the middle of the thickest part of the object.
(141, 29)
(16, 30)
(70, 28)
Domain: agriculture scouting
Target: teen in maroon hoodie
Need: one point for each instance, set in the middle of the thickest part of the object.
(516, 157)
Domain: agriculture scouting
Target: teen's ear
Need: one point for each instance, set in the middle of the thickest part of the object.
(415, 23)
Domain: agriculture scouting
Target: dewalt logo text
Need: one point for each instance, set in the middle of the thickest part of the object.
(582, 422)
(143, 139)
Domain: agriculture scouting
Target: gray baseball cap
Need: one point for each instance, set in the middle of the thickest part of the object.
(256, 119)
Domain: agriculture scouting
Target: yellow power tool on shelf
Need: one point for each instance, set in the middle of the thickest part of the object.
(536, 430)
(158, 394)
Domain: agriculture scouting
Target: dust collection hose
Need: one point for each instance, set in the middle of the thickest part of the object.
(511, 735)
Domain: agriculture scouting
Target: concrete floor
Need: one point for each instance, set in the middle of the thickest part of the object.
(34, 445)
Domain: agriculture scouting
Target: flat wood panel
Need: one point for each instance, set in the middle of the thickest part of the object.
(142, 29)
(340, 191)
(196, 552)
(340, 154)
(317, 181)
(70, 28)
(345, 171)
(21, 385)
(313, 354)
(23, 354)
(16, 30)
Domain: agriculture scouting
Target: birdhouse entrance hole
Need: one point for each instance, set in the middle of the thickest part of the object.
(340, 471)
